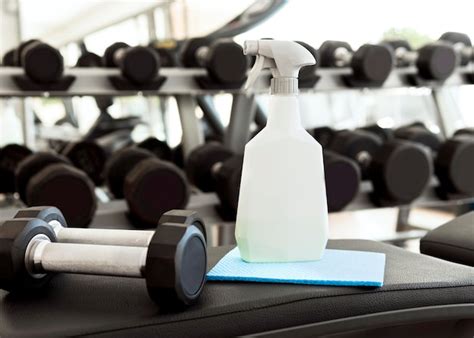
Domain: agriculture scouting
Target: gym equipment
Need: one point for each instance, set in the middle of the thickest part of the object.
(307, 77)
(453, 241)
(8, 59)
(168, 50)
(462, 44)
(149, 185)
(139, 66)
(91, 155)
(89, 59)
(43, 66)
(464, 131)
(453, 159)
(49, 179)
(173, 263)
(434, 61)
(213, 167)
(420, 294)
(159, 148)
(141, 238)
(371, 64)
(342, 176)
(398, 170)
(224, 60)
(10, 156)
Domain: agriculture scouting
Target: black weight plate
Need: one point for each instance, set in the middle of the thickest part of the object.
(309, 71)
(228, 178)
(200, 162)
(460, 41)
(42, 63)
(372, 63)
(383, 133)
(152, 188)
(323, 135)
(342, 177)
(108, 60)
(89, 157)
(17, 57)
(226, 62)
(120, 164)
(66, 188)
(160, 149)
(32, 165)
(436, 61)
(419, 134)
(8, 59)
(464, 131)
(326, 52)
(89, 59)
(189, 49)
(140, 65)
(10, 156)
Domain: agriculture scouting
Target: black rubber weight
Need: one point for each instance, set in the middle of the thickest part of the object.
(154, 187)
(160, 149)
(436, 61)
(372, 63)
(189, 49)
(89, 157)
(228, 179)
(108, 58)
(18, 61)
(226, 62)
(140, 65)
(42, 63)
(15, 235)
(120, 164)
(32, 165)
(10, 156)
(66, 188)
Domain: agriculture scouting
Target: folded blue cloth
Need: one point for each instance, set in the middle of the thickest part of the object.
(337, 267)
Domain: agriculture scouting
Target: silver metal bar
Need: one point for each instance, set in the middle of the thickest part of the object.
(440, 115)
(136, 238)
(241, 117)
(28, 124)
(193, 135)
(89, 259)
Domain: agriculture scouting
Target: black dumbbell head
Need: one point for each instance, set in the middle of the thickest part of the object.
(42, 63)
(436, 61)
(140, 65)
(458, 39)
(372, 63)
(31, 166)
(228, 178)
(89, 59)
(327, 52)
(384, 133)
(464, 131)
(189, 49)
(120, 164)
(176, 265)
(46, 213)
(342, 177)
(16, 235)
(10, 156)
(153, 187)
(323, 135)
(8, 59)
(160, 149)
(454, 165)
(108, 60)
(226, 62)
(18, 60)
(395, 47)
(309, 71)
(200, 162)
(419, 134)
(68, 189)
(400, 172)
(358, 145)
(89, 157)
(184, 218)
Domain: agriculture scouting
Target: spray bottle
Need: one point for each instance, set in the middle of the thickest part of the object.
(282, 212)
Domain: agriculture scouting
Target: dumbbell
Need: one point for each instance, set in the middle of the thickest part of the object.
(10, 156)
(172, 259)
(464, 131)
(168, 50)
(149, 185)
(49, 179)
(41, 62)
(398, 170)
(8, 59)
(453, 159)
(342, 176)
(91, 155)
(307, 73)
(462, 44)
(224, 59)
(434, 61)
(89, 59)
(139, 65)
(370, 64)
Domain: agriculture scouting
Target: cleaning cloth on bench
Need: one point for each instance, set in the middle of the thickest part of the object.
(336, 267)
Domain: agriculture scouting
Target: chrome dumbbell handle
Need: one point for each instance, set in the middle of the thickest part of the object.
(342, 56)
(44, 256)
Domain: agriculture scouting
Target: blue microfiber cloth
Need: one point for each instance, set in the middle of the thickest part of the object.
(337, 267)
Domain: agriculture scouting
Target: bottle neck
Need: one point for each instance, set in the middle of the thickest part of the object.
(284, 112)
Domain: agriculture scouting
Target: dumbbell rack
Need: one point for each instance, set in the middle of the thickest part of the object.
(181, 84)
